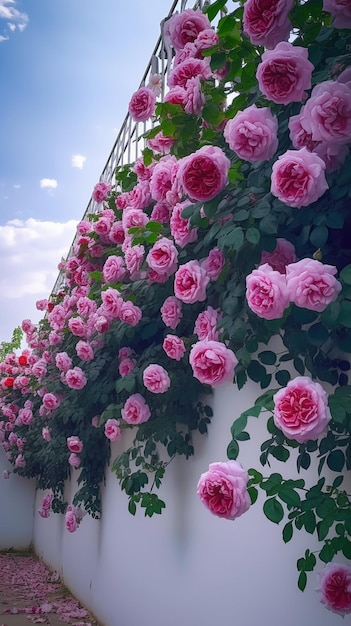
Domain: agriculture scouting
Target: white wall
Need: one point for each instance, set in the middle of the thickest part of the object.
(186, 566)
(17, 497)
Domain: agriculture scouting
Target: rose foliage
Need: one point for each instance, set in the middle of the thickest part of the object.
(233, 228)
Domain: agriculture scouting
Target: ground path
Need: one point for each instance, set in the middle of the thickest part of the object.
(31, 593)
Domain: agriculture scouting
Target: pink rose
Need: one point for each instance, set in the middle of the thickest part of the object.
(163, 257)
(212, 362)
(204, 173)
(74, 444)
(111, 302)
(116, 234)
(194, 98)
(20, 461)
(333, 154)
(26, 415)
(252, 134)
(134, 256)
(126, 366)
(267, 23)
(266, 292)
(298, 178)
(340, 10)
(327, 113)
(223, 489)
(284, 74)
(301, 410)
(74, 460)
(50, 401)
(135, 410)
(71, 521)
(77, 327)
(161, 213)
(63, 361)
(112, 430)
(130, 313)
(46, 433)
(133, 217)
(171, 312)
(75, 378)
(185, 27)
(84, 351)
(114, 269)
(156, 379)
(206, 39)
(174, 347)
(282, 255)
(160, 143)
(206, 325)
(181, 230)
(100, 192)
(335, 588)
(6, 474)
(299, 136)
(311, 284)
(214, 263)
(162, 177)
(190, 282)
(142, 104)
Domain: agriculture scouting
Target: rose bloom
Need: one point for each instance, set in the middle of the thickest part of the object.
(126, 366)
(181, 230)
(156, 379)
(100, 192)
(299, 136)
(174, 347)
(206, 324)
(285, 73)
(194, 98)
(130, 313)
(171, 312)
(134, 256)
(206, 39)
(116, 234)
(161, 179)
(135, 410)
(266, 292)
(111, 302)
(163, 257)
(252, 134)
(46, 433)
(77, 327)
(190, 282)
(71, 521)
(161, 212)
(212, 362)
(75, 378)
(298, 178)
(185, 27)
(84, 351)
(267, 23)
(63, 361)
(282, 255)
(133, 217)
(340, 10)
(214, 263)
(223, 489)
(112, 430)
(74, 444)
(327, 113)
(142, 104)
(333, 155)
(335, 588)
(160, 143)
(20, 461)
(74, 460)
(51, 401)
(301, 410)
(311, 284)
(204, 173)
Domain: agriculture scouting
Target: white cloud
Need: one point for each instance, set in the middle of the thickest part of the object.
(15, 19)
(30, 251)
(17, 186)
(48, 183)
(78, 161)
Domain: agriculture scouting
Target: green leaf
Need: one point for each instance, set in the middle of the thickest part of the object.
(256, 371)
(282, 377)
(269, 225)
(289, 496)
(345, 275)
(287, 532)
(280, 453)
(253, 493)
(214, 8)
(239, 424)
(345, 314)
(253, 235)
(267, 357)
(273, 510)
(319, 236)
(346, 548)
(302, 581)
(233, 450)
(336, 460)
(132, 507)
(327, 553)
(317, 334)
(218, 59)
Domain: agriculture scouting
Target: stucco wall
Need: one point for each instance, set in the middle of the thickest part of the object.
(17, 497)
(186, 566)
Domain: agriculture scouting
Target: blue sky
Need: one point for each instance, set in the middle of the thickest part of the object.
(68, 69)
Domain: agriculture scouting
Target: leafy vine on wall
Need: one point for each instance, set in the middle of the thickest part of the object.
(233, 228)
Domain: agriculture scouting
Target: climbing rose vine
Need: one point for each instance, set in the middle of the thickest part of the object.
(229, 235)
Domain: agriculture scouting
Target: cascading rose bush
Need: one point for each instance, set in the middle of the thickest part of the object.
(223, 489)
(335, 588)
(267, 23)
(142, 104)
(135, 410)
(156, 379)
(298, 178)
(311, 284)
(301, 410)
(184, 27)
(204, 173)
(267, 293)
(252, 134)
(285, 73)
(212, 362)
